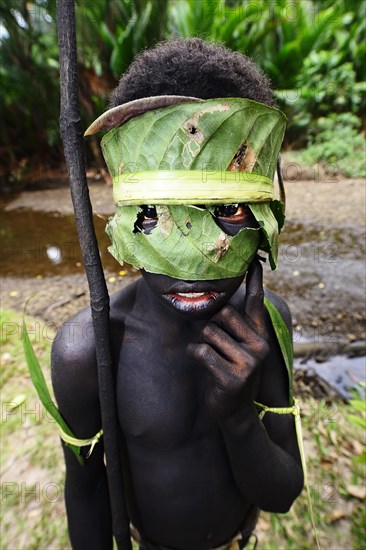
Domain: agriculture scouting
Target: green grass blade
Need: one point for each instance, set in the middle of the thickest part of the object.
(285, 341)
(40, 385)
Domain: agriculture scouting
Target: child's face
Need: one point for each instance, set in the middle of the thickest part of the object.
(198, 299)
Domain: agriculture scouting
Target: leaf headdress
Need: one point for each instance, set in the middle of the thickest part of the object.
(180, 153)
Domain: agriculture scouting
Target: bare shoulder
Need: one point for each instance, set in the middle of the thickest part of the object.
(74, 343)
(74, 364)
(73, 348)
(75, 376)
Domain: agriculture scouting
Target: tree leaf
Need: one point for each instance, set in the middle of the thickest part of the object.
(190, 136)
(285, 341)
(187, 245)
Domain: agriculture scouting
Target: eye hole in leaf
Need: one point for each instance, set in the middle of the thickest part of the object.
(147, 219)
(232, 211)
(233, 217)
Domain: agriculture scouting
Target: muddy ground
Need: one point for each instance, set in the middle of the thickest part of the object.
(321, 270)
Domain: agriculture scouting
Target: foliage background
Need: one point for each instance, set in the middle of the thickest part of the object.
(313, 50)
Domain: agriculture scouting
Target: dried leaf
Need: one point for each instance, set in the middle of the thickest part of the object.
(357, 491)
(345, 452)
(328, 461)
(358, 448)
(322, 430)
(333, 437)
(337, 514)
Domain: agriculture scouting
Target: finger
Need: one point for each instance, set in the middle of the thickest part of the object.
(225, 343)
(233, 324)
(214, 363)
(254, 311)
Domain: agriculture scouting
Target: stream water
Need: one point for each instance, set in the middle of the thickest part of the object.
(314, 266)
(340, 371)
(46, 243)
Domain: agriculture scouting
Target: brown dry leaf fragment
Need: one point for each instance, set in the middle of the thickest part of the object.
(221, 246)
(345, 452)
(322, 430)
(165, 219)
(358, 448)
(336, 515)
(244, 159)
(333, 437)
(357, 491)
(327, 461)
(117, 115)
(263, 525)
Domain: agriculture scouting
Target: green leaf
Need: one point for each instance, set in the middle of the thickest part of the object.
(357, 420)
(185, 244)
(42, 390)
(190, 136)
(358, 404)
(285, 341)
(270, 218)
(361, 459)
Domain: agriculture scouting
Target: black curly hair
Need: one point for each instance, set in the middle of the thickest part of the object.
(192, 67)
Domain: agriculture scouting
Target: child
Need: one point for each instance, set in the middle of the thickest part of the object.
(194, 351)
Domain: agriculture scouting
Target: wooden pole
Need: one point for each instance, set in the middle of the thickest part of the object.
(72, 137)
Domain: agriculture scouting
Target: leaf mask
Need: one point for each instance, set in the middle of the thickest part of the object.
(192, 152)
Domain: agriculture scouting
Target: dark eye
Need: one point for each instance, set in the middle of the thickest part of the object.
(232, 213)
(147, 219)
(149, 211)
(233, 217)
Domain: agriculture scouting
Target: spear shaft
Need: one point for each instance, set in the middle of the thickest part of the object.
(72, 137)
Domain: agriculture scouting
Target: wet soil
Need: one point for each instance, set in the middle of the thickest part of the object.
(321, 271)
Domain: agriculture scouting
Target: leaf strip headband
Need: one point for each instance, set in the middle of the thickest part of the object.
(190, 187)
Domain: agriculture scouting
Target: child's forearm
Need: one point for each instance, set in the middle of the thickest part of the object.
(266, 474)
(89, 516)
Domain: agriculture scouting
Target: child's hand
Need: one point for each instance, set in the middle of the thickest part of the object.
(233, 349)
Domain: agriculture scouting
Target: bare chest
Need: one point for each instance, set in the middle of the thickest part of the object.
(160, 392)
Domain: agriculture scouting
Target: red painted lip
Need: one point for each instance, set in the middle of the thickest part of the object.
(194, 297)
(194, 303)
